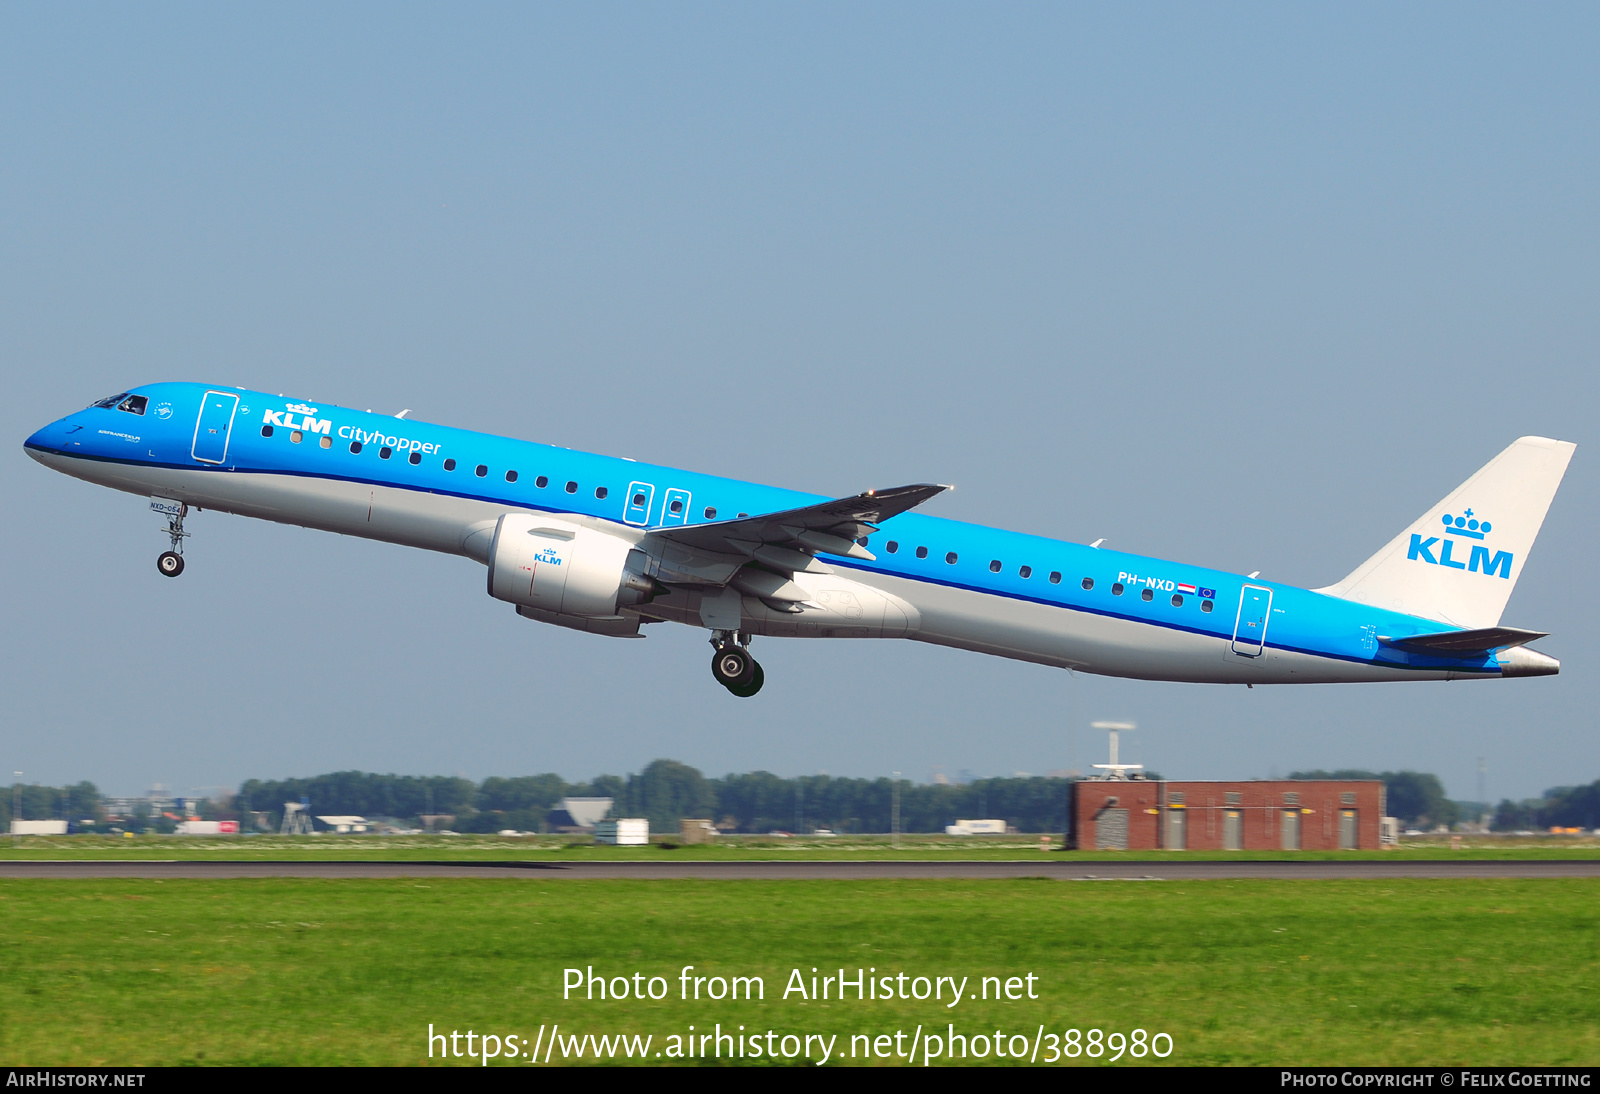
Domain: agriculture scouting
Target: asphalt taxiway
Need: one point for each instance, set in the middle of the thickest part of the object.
(843, 870)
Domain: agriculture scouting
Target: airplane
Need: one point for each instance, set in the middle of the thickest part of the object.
(608, 545)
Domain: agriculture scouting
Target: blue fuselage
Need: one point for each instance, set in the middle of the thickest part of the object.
(983, 588)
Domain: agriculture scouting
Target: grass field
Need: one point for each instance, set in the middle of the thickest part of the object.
(555, 848)
(353, 971)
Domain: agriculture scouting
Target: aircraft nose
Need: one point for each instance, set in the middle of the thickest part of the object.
(38, 443)
(52, 438)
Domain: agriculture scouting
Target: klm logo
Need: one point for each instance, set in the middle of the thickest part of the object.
(1452, 540)
(307, 420)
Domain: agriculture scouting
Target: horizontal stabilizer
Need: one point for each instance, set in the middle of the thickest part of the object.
(1481, 640)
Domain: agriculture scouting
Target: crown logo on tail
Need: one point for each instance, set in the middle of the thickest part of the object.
(1467, 525)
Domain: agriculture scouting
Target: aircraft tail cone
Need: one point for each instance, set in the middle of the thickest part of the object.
(1521, 661)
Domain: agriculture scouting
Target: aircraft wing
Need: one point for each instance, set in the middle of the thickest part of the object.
(1481, 640)
(782, 543)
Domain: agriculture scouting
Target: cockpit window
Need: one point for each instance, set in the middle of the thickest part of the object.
(111, 400)
(134, 404)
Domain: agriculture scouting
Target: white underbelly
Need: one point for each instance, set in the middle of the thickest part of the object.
(1089, 642)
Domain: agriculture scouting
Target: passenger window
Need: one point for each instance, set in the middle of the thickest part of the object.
(891, 546)
(511, 476)
(415, 458)
(295, 436)
(1177, 600)
(1055, 577)
(1147, 595)
(1088, 583)
(449, 465)
(950, 558)
(922, 552)
(542, 481)
(1025, 573)
(1205, 605)
(994, 566)
(133, 404)
(572, 488)
(326, 442)
(711, 511)
(1116, 588)
(638, 499)
(601, 492)
(677, 505)
(743, 515)
(481, 470)
(355, 446)
(266, 431)
(383, 453)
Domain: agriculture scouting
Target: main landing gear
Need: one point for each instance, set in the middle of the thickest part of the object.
(170, 563)
(733, 667)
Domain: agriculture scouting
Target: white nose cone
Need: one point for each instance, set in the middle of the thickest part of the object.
(1521, 661)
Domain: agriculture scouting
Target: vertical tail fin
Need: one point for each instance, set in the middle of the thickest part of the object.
(1459, 561)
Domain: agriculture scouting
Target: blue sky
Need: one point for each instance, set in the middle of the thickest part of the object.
(1247, 286)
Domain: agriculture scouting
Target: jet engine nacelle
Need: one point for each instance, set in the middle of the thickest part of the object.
(557, 566)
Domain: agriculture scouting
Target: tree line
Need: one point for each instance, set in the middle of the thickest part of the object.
(1560, 807)
(667, 791)
(74, 804)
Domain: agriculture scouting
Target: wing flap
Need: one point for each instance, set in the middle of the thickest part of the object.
(788, 541)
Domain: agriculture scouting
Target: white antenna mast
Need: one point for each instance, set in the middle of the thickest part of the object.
(1115, 770)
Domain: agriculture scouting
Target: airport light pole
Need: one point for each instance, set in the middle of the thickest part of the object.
(16, 808)
(894, 810)
(1483, 795)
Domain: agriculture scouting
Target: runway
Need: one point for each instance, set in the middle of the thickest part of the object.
(838, 870)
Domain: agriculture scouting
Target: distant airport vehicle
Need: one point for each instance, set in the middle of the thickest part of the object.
(606, 545)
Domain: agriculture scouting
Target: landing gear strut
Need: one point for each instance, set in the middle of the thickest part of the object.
(733, 667)
(170, 563)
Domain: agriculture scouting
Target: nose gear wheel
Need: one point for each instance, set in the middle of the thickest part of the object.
(170, 563)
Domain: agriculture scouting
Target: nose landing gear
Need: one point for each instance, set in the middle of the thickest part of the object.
(733, 667)
(170, 563)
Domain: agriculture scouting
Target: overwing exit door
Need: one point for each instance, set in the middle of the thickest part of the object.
(640, 495)
(675, 506)
(214, 425)
(1250, 628)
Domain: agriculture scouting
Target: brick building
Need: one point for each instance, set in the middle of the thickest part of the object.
(1279, 815)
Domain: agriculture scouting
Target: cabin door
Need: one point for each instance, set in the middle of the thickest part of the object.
(1250, 628)
(213, 427)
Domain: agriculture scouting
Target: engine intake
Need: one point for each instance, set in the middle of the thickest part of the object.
(569, 569)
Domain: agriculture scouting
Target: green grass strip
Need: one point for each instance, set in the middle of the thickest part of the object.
(290, 971)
